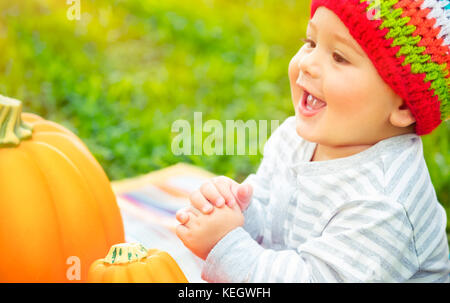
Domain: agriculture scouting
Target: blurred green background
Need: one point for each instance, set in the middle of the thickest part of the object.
(121, 75)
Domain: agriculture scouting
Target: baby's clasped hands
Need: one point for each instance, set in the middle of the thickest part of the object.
(202, 224)
(217, 192)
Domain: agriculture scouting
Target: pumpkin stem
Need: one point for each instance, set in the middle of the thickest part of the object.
(12, 129)
(125, 253)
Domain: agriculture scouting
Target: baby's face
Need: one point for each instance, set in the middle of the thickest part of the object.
(354, 102)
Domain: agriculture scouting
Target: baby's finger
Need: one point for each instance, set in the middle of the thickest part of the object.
(181, 232)
(210, 192)
(182, 216)
(193, 211)
(199, 202)
(224, 187)
(224, 179)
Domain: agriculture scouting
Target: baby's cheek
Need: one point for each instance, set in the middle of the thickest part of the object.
(293, 69)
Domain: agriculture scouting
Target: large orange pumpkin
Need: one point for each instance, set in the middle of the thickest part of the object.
(133, 263)
(58, 212)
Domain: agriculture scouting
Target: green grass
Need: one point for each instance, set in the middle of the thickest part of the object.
(122, 74)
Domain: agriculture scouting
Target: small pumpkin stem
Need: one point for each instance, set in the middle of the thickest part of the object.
(12, 129)
(125, 253)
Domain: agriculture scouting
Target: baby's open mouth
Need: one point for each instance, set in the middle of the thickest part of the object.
(313, 103)
(310, 105)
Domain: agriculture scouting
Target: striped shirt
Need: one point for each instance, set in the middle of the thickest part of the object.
(370, 217)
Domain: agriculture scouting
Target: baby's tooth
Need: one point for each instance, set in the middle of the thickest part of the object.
(310, 98)
(314, 102)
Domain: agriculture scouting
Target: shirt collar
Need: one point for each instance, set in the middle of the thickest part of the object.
(301, 164)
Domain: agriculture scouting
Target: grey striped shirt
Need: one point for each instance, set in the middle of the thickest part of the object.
(370, 217)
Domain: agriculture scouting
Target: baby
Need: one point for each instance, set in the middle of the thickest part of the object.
(343, 193)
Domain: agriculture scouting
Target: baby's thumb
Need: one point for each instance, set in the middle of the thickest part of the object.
(243, 193)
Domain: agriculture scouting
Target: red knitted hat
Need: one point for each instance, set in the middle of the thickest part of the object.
(408, 41)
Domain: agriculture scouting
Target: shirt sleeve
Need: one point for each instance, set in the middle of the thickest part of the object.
(364, 241)
(254, 214)
(255, 220)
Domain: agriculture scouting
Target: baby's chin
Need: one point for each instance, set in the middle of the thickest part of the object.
(303, 131)
(298, 126)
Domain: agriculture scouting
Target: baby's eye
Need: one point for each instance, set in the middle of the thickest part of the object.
(338, 58)
(308, 41)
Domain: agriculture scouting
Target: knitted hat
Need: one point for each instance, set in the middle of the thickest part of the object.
(408, 42)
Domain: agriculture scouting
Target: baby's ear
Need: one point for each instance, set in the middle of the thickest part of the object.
(401, 115)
